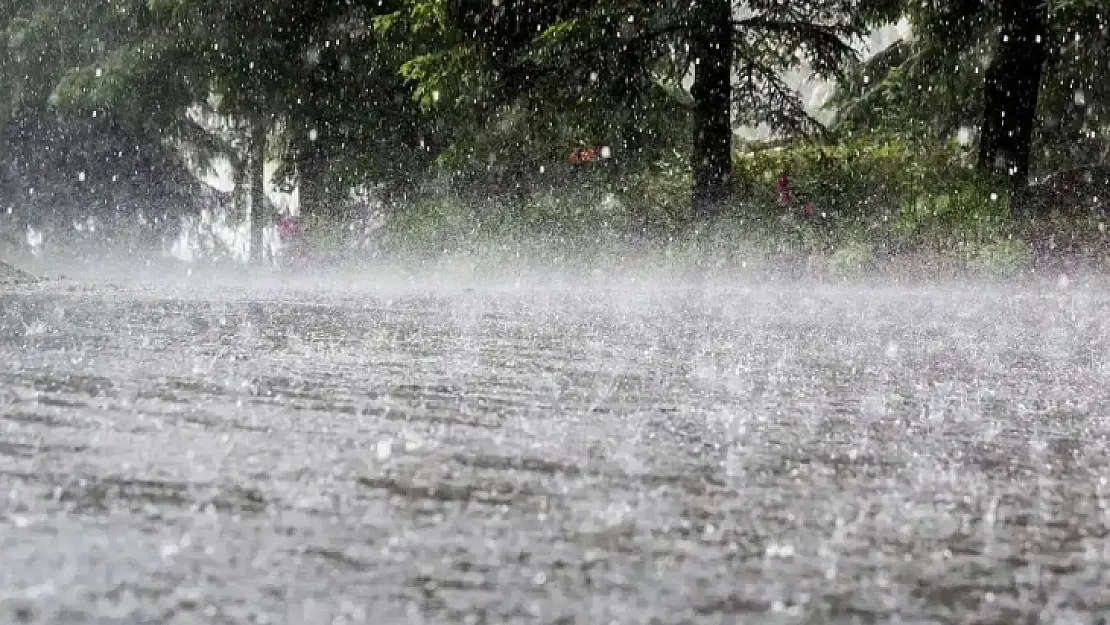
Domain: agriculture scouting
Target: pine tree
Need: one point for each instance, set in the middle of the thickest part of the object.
(309, 82)
(64, 166)
(1030, 75)
(625, 54)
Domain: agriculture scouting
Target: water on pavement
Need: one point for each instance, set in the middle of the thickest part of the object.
(638, 453)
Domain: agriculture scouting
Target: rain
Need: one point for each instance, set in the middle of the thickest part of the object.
(409, 311)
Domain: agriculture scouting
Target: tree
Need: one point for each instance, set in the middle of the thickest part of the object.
(151, 52)
(351, 117)
(1074, 104)
(1011, 86)
(313, 84)
(712, 48)
(60, 166)
(1025, 73)
(242, 52)
(629, 53)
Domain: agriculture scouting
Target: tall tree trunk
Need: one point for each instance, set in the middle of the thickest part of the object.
(7, 192)
(712, 92)
(240, 191)
(312, 167)
(1010, 91)
(256, 164)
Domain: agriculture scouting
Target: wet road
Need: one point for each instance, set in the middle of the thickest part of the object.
(642, 454)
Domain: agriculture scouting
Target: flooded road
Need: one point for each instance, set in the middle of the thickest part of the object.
(634, 454)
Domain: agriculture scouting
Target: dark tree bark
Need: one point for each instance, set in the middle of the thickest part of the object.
(256, 161)
(1010, 92)
(240, 190)
(312, 167)
(711, 41)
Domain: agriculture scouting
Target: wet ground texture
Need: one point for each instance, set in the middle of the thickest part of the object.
(633, 454)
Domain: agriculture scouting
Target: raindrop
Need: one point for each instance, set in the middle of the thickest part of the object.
(383, 449)
(780, 551)
(891, 350)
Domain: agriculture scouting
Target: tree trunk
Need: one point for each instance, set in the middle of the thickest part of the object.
(256, 163)
(712, 92)
(7, 192)
(240, 191)
(312, 168)
(1010, 91)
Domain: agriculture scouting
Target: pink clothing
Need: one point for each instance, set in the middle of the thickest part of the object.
(786, 196)
(288, 227)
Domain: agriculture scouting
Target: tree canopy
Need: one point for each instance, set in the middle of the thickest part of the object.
(495, 95)
(1024, 77)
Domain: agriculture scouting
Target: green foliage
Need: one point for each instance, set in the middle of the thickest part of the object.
(59, 161)
(610, 72)
(581, 226)
(959, 208)
(885, 191)
(874, 197)
(862, 178)
(467, 110)
(1075, 96)
(658, 195)
(932, 84)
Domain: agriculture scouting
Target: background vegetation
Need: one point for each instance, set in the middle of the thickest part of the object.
(432, 126)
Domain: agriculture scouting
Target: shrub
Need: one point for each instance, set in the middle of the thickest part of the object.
(880, 192)
(871, 196)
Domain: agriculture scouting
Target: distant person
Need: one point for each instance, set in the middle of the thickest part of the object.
(293, 246)
(786, 197)
(582, 156)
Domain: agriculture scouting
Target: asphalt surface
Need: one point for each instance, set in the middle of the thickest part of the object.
(627, 453)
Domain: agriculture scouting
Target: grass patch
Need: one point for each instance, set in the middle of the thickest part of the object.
(873, 202)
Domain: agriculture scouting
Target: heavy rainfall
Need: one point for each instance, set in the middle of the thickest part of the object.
(425, 311)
